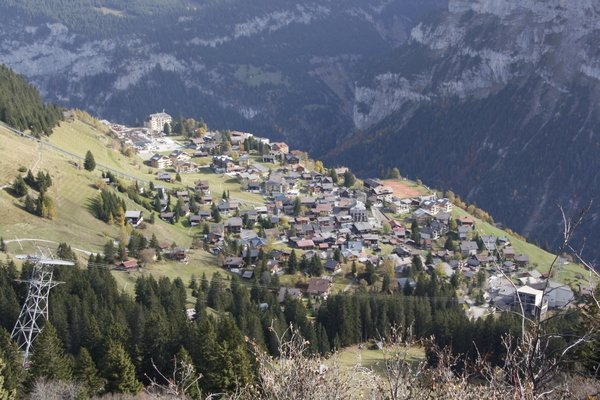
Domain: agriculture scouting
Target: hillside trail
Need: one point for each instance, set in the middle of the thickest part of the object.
(38, 147)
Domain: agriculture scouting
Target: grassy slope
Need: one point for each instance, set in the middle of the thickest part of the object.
(73, 191)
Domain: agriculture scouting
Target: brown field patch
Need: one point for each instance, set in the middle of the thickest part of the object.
(402, 190)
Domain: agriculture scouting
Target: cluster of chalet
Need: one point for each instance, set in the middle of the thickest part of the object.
(332, 217)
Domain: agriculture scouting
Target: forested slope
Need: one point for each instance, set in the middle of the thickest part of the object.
(22, 107)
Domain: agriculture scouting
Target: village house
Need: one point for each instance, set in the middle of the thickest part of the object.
(233, 225)
(333, 266)
(292, 292)
(233, 263)
(203, 186)
(160, 161)
(509, 253)
(522, 260)
(421, 216)
(164, 177)
(306, 244)
(134, 217)
(167, 216)
(259, 170)
(468, 248)
(179, 155)
(431, 205)
(196, 143)
(182, 167)
(280, 146)
(489, 242)
(276, 184)
(319, 288)
(358, 212)
(228, 206)
(444, 218)
(180, 254)
(223, 164)
(127, 265)
(371, 183)
(398, 207)
(291, 159)
(270, 158)
(445, 205)
(274, 266)
(467, 221)
(464, 231)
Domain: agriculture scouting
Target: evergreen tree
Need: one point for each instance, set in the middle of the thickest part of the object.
(216, 216)
(156, 346)
(5, 393)
(29, 204)
(415, 232)
(316, 266)
(178, 177)
(30, 179)
(119, 371)
(42, 182)
(386, 285)
(49, 359)
(292, 262)
(323, 340)
(337, 254)
(19, 186)
(429, 258)
(349, 178)
(297, 206)
(449, 244)
(185, 374)
(13, 372)
(417, 263)
(204, 353)
(334, 176)
(370, 275)
(232, 366)
(407, 289)
(87, 373)
(167, 129)
(89, 163)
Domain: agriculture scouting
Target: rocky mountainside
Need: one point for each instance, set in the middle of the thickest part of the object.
(496, 100)
(277, 68)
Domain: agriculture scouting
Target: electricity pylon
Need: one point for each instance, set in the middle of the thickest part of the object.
(35, 309)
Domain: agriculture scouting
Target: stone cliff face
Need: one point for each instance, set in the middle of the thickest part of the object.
(481, 45)
(134, 74)
(279, 68)
(497, 100)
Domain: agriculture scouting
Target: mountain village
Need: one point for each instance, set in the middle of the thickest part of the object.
(328, 221)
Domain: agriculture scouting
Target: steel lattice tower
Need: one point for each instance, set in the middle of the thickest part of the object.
(35, 309)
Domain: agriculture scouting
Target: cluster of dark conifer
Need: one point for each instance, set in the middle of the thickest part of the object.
(121, 338)
(21, 106)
